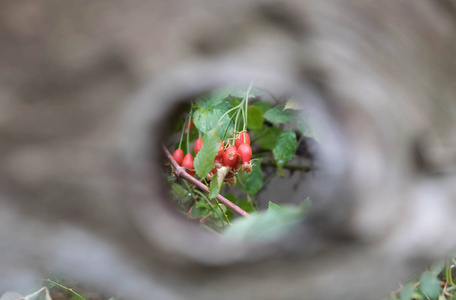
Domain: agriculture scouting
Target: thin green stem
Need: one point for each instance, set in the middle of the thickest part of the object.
(224, 214)
(237, 119)
(246, 100)
(65, 288)
(182, 134)
(209, 203)
(188, 129)
(449, 277)
(230, 110)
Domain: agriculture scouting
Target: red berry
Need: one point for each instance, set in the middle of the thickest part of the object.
(191, 124)
(245, 152)
(219, 156)
(198, 145)
(240, 139)
(178, 156)
(188, 163)
(231, 158)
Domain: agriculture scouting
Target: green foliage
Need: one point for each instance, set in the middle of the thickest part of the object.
(218, 116)
(407, 292)
(255, 118)
(253, 182)
(204, 160)
(206, 119)
(215, 187)
(200, 210)
(261, 105)
(279, 115)
(430, 285)
(266, 226)
(307, 127)
(267, 136)
(285, 147)
(236, 91)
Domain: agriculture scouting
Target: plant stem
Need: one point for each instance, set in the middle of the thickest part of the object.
(224, 214)
(246, 100)
(180, 172)
(237, 119)
(209, 203)
(182, 134)
(65, 288)
(307, 168)
(188, 129)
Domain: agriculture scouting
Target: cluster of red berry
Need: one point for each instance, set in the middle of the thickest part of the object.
(234, 157)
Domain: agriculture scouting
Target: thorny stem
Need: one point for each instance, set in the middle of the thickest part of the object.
(224, 214)
(180, 172)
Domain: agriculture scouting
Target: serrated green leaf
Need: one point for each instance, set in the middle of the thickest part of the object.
(204, 160)
(246, 205)
(254, 118)
(231, 197)
(253, 182)
(263, 106)
(305, 204)
(273, 206)
(407, 292)
(200, 209)
(267, 136)
(265, 226)
(217, 182)
(208, 101)
(178, 191)
(307, 127)
(285, 147)
(214, 189)
(206, 119)
(437, 267)
(279, 115)
(237, 91)
(293, 104)
(430, 285)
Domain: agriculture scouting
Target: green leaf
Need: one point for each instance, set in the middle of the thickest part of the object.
(306, 126)
(246, 205)
(204, 160)
(237, 91)
(273, 206)
(430, 285)
(263, 106)
(206, 119)
(254, 118)
(208, 101)
(253, 182)
(267, 136)
(407, 292)
(437, 267)
(200, 209)
(305, 204)
(178, 191)
(293, 104)
(214, 189)
(279, 115)
(285, 147)
(266, 225)
(231, 197)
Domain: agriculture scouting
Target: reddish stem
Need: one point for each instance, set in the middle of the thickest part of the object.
(180, 172)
